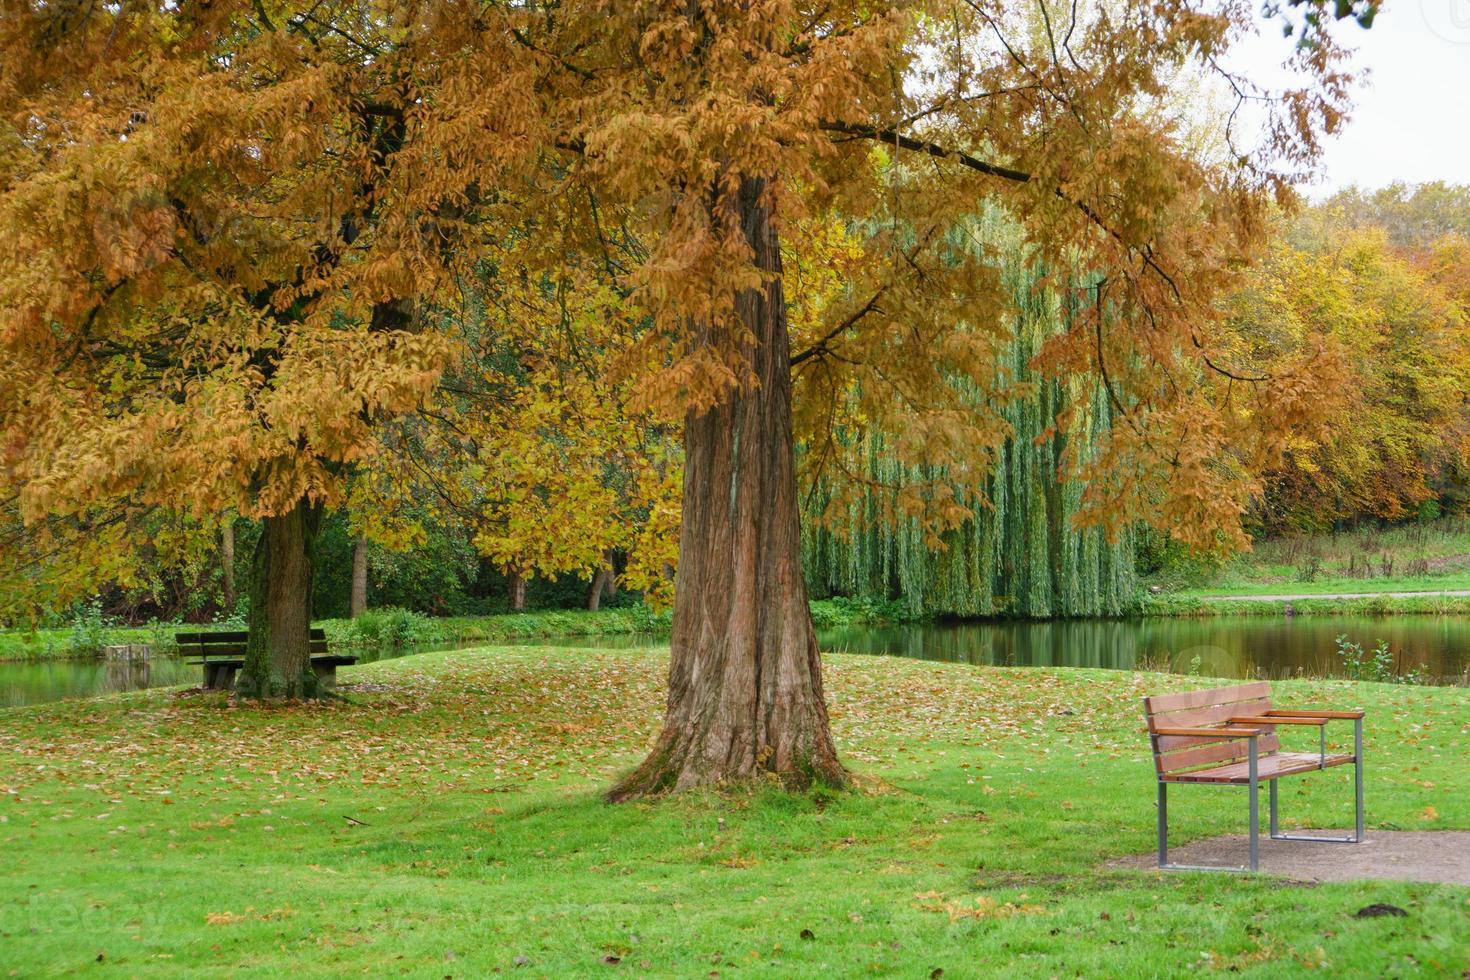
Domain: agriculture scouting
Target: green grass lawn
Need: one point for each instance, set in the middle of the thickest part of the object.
(445, 822)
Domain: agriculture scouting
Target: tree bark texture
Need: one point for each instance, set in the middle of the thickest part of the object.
(278, 650)
(745, 677)
(516, 583)
(595, 590)
(358, 604)
(610, 584)
(227, 561)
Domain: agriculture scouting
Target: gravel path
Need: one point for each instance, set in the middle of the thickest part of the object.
(1440, 856)
(1327, 595)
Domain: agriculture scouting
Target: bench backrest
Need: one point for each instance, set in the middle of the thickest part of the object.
(231, 643)
(1206, 709)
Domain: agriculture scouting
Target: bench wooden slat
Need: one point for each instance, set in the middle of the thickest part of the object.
(213, 637)
(1340, 715)
(1275, 719)
(1206, 755)
(1270, 767)
(1169, 744)
(1163, 703)
(1195, 717)
(231, 649)
(1215, 752)
(1174, 739)
(339, 659)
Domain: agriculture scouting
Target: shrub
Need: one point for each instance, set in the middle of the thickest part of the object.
(89, 629)
(850, 610)
(1309, 569)
(1379, 665)
(392, 626)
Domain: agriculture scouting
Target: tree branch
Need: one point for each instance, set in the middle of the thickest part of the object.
(820, 346)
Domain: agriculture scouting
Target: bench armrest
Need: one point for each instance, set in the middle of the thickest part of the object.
(1325, 715)
(1210, 732)
(1275, 719)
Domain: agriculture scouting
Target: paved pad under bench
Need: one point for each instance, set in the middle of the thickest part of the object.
(1440, 856)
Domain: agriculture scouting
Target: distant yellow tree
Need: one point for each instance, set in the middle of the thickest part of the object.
(1394, 415)
(530, 448)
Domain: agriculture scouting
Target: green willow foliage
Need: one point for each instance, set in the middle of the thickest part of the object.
(1019, 553)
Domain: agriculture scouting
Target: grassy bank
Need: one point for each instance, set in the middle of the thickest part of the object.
(70, 643)
(445, 821)
(1428, 557)
(377, 627)
(1387, 604)
(402, 628)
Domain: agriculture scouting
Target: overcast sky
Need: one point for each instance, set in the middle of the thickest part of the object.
(1412, 120)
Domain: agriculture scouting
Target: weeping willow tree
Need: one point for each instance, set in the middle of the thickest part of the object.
(1019, 551)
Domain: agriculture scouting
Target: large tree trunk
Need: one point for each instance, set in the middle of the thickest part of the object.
(227, 560)
(745, 677)
(358, 604)
(278, 651)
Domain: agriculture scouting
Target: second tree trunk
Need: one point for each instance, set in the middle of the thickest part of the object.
(278, 650)
(358, 600)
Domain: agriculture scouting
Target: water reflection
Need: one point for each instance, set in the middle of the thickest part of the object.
(35, 683)
(1266, 646)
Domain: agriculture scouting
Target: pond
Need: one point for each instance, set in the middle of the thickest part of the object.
(1239, 646)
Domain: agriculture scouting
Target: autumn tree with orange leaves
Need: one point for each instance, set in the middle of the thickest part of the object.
(205, 301)
(223, 226)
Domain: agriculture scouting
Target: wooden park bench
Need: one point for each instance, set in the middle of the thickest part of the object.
(1227, 737)
(222, 654)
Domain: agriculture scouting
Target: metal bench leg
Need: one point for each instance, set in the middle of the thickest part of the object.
(1275, 823)
(1256, 809)
(1358, 777)
(1357, 836)
(1163, 824)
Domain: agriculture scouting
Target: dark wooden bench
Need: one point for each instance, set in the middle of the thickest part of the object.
(1227, 737)
(222, 654)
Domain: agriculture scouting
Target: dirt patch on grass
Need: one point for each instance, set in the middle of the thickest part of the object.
(1441, 856)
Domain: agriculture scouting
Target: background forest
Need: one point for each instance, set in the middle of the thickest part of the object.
(532, 482)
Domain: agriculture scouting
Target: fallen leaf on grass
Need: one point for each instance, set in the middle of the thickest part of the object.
(980, 907)
(739, 862)
(230, 918)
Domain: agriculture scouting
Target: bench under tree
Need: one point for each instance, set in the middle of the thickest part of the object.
(1227, 737)
(222, 654)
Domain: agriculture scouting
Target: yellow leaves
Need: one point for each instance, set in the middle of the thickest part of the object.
(739, 862)
(976, 907)
(1361, 343)
(249, 915)
(130, 240)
